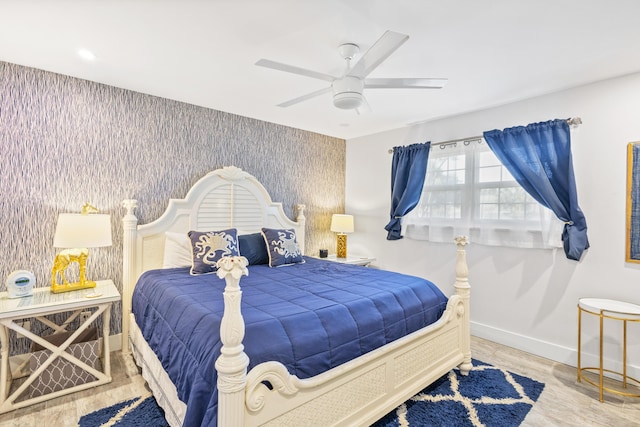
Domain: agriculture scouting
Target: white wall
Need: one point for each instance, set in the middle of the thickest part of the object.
(521, 297)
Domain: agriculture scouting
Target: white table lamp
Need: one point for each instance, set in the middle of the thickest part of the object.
(76, 232)
(341, 224)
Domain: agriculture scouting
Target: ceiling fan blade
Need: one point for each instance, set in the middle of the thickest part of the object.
(305, 97)
(401, 83)
(381, 49)
(295, 70)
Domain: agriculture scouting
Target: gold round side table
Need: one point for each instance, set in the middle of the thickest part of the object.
(607, 309)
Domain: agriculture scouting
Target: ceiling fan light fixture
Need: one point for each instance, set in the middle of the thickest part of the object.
(347, 100)
(347, 92)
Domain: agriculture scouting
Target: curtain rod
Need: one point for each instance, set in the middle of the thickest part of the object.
(574, 122)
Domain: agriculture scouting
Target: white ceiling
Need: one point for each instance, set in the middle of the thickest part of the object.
(203, 52)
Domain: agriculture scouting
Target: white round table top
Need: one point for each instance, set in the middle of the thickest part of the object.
(621, 309)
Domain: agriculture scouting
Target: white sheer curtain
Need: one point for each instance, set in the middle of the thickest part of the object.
(467, 191)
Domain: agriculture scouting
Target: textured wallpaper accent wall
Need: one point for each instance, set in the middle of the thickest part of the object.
(66, 141)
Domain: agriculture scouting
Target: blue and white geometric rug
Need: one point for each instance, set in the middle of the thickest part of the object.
(488, 396)
(137, 412)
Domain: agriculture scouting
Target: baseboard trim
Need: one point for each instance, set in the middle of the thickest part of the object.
(115, 342)
(555, 352)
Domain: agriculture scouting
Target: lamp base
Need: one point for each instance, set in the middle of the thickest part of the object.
(57, 288)
(60, 265)
(341, 246)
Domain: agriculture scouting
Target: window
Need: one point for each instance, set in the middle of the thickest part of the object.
(468, 191)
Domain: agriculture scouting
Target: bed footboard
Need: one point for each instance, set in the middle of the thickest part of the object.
(356, 393)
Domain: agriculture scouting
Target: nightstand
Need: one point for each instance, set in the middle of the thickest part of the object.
(351, 259)
(43, 302)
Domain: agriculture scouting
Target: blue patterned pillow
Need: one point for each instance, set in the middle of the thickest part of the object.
(209, 246)
(282, 246)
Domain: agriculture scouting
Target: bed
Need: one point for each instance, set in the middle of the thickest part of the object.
(344, 384)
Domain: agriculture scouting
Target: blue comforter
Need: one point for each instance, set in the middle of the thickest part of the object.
(311, 317)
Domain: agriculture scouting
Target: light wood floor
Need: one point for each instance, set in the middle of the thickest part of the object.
(564, 401)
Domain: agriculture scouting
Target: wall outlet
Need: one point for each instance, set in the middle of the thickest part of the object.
(25, 324)
(84, 316)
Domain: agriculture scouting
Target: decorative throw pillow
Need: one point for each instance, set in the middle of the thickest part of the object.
(253, 248)
(177, 250)
(282, 247)
(209, 246)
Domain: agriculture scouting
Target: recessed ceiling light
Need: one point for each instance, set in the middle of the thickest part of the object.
(86, 54)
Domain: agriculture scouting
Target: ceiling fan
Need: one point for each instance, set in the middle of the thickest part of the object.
(348, 89)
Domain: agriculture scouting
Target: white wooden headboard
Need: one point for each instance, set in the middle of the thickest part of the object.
(225, 198)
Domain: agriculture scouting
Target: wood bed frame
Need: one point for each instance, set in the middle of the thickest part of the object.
(358, 392)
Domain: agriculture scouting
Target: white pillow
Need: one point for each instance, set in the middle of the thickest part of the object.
(177, 250)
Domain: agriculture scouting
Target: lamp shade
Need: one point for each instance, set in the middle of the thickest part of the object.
(76, 230)
(342, 223)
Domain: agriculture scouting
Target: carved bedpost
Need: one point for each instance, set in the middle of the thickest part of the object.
(130, 225)
(232, 363)
(463, 290)
(302, 220)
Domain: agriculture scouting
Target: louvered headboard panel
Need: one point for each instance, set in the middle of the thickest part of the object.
(229, 206)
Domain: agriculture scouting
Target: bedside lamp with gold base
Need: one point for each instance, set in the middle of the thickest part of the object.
(76, 232)
(341, 224)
